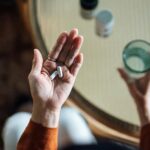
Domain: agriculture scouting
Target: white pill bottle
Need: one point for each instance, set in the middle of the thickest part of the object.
(104, 23)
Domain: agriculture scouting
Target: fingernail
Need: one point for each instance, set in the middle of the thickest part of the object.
(75, 29)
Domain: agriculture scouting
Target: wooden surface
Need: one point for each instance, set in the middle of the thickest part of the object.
(46, 20)
(98, 80)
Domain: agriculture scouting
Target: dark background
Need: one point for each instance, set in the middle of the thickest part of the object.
(16, 52)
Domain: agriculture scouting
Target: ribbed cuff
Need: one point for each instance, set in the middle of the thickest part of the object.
(37, 137)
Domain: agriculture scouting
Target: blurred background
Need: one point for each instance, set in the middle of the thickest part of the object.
(26, 24)
(15, 60)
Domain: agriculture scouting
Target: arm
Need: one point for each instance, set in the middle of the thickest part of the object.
(49, 95)
(145, 137)
(140, 91)
(37, 137)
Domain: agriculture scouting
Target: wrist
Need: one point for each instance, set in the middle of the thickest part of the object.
(144, 115)
(46, 117)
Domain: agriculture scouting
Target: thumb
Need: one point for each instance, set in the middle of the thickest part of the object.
(37, 62)
(123, 75)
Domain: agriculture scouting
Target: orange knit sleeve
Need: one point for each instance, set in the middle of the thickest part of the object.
(37, 137)
(145, 138)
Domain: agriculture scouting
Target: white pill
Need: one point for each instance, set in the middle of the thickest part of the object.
(59, 70)
(53, 75)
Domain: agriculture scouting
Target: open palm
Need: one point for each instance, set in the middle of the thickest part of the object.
(53, 93)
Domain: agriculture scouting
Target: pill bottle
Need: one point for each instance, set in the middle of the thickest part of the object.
(88, 8)
(104, 23)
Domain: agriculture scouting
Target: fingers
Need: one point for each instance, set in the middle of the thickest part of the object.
(123, 75)
(145, 80)
(65, 52)
(37, 62)
(130, 84)
(68, 45)
(145, 83)
(135, 92)
(74, 51)
(148, 85)
(78, 61)
(53, 55)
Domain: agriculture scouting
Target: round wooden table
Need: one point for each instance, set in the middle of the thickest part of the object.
(99, 91)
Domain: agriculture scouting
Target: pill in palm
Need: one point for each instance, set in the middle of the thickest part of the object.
(53, 75)
(59, 70)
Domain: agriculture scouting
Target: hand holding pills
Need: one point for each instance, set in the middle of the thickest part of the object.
(51, 81)
(57, 72)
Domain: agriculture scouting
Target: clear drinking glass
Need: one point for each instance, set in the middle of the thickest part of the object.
(136, 57)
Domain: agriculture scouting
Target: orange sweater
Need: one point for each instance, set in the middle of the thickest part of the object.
(37, 137)
(145, 138)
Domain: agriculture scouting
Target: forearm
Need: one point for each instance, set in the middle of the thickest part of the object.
(37, 137)
(145, 137)
(144, 115)
(42, 131)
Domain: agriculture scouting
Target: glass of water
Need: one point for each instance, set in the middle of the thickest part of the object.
(136, 57)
